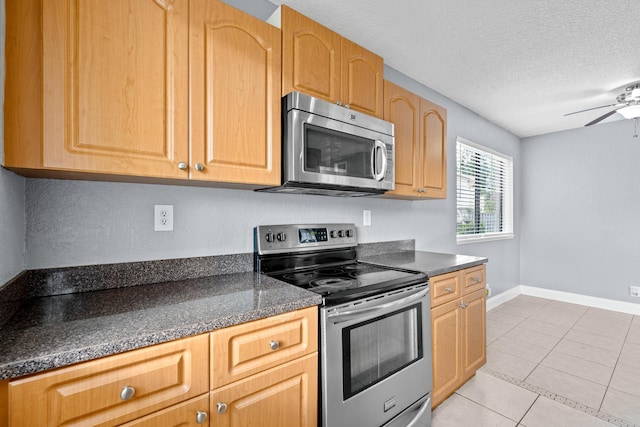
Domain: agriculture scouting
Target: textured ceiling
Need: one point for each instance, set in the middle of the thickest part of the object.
(521, 64)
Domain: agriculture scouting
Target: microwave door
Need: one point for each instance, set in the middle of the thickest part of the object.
(330, 152)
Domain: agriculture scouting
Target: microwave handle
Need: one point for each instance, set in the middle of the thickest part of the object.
(379, 145)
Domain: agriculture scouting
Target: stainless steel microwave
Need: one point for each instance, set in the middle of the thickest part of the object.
(329, 149)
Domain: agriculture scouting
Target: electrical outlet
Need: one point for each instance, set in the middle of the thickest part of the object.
(163, 218)
(366, 217)
(634, 291)
(488, 291)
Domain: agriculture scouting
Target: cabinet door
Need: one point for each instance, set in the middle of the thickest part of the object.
(402, 108)
(192, 413)
(114, 389)
(310, 57)
(361, 77)
(115, 85)
(433, 141)
(447, 341)
(286, 395)
(473, 323)
(235, 96)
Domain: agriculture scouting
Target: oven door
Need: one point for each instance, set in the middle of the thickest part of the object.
(323, 151)
(376, 359)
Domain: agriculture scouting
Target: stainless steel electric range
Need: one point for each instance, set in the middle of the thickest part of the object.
(375, 325)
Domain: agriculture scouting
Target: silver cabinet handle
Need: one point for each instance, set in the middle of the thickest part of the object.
(476, 280)
(422, 190)
(222, 407)
(199, 167)
(201, 417)
(448, 289)
(182, 166)
(274, 344)
(463, 305)
(127, 393)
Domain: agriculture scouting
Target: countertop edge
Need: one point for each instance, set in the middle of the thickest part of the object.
(39, 364)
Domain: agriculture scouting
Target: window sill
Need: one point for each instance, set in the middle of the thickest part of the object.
(463, 240)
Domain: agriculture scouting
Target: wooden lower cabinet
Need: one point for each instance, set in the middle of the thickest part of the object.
(114, 389)
(268, 378)
(286, 395)
(192, 413)
(265, 373)
(458, 335)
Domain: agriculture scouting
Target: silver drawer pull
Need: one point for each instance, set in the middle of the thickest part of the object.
(477, 280)
(182, 166)
(222, 407)
(274, 344)
(201, 417)
(448, 289)
(127, 393)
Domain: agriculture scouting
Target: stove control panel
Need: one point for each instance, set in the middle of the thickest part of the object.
(299, 237)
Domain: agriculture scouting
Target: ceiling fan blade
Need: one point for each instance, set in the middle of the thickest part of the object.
(602, 117)
(594, 108)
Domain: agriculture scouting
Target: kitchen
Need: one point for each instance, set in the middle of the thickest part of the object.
(51, 223)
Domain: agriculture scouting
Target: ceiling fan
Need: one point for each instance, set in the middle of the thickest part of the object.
(628, 105)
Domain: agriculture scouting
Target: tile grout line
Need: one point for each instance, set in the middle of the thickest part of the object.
(617, 361)
(560, 399)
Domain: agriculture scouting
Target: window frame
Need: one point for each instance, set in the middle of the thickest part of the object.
(507, 195)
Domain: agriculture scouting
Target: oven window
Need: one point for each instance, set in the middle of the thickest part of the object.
(378, 348)
(330, 152)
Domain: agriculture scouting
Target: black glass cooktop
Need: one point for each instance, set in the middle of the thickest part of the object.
(350, 279)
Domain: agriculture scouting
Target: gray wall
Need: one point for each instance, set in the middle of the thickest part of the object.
(581, 211)
(79, 222)
(12, 228)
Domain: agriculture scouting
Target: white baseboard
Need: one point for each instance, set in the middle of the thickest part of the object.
(503, 297)
(606, 304)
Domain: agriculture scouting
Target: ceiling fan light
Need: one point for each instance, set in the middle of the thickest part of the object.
(630, 111)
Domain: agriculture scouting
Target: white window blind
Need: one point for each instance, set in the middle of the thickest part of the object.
(484, 183)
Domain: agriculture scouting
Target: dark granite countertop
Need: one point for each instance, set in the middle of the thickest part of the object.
(431, 263)
(54, 331)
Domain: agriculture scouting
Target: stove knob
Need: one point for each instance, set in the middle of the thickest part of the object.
(333, 234)
(341, 233)
(281, 237)
(349, 233)
(269, 237)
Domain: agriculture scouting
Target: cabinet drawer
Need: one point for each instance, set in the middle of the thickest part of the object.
(473, 278)
(444, 288)
(92, 393)
(243, 350)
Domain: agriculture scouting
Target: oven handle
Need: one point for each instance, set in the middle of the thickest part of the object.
(426, 405)
(340, 317)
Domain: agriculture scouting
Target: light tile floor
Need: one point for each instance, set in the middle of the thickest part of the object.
(551, 363)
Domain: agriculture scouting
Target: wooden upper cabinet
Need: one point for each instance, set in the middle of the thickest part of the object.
(128, 90)
(433, 141)
(311, 57)
(98, 86)
(420, 128)
(402, 108)
(321, 63)
(235, 96)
